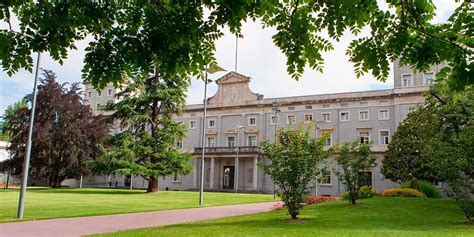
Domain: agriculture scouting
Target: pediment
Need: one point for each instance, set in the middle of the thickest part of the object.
(233, 89)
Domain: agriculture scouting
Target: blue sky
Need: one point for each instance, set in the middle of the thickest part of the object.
(257, 58)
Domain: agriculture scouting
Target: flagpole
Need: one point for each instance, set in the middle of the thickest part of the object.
(26, 162)
(236, 50)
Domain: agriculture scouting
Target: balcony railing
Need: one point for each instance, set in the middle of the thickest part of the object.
(222, 150)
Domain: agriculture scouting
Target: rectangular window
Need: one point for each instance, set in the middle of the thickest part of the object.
(252, 141)
(250, 175)
(428, 78)
(406, 80)
(364, 115)
(364, 137)
(274, 120)
(308, 118)
(326, 117)
(308, 107)
(344, 105)
(99, 93)
(384, 114)
(325, 178)
(109, 92)
(290, 119)
(179, 144)
(230, 141)
(384, 136)
(345, 116)
(211, 142)
(211, 123)
(99, 106)
(326, 105)
(176, 177)
(89, 94)
(252, 121)
(291, 108)
(328, 141)
(192, 124)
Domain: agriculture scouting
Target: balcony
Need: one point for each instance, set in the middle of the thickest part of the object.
(229, 150)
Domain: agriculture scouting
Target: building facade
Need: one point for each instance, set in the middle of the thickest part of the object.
(238, 120)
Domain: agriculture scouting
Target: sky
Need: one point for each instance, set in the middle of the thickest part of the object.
(258, 58)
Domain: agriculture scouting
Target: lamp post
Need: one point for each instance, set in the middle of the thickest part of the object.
(236, 181)
(26, 162)
(210, 70)
(277, 120)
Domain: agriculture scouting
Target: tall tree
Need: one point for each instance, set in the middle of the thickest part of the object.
(404, 158)
(354, 159)
(180, 36)
(65, 134)
(295, 161)
(147, 147)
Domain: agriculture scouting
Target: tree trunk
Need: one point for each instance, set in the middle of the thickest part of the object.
(56, 182)
(152, 185)
(353, 199)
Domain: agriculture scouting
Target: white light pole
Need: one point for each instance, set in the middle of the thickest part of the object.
(277, 120)
(210, 70)
(26, 162)
(236, 175)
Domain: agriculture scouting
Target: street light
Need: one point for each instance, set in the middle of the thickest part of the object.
(236, 181)
(210, 70)
(277, 120)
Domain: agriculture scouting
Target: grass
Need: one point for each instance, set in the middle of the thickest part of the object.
(46, 203)
(372, 217)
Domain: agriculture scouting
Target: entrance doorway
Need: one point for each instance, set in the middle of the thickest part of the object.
(228, 177)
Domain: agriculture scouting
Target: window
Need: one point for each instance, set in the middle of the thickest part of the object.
(291, 108)
(89, 94)
(99, 93)
(328, 141)
(364, 115)
(252, 121)
(384, 136)
(109, 92)
(364, 137)
(211, 123)
(99, 106)
(290, 119)
(326, 117)
(326, 105)
(344, 105)
(308, 118)
(325, 178)
(428, 78)
(252, 140)
(250, 175)
(231, 141)
(384, 114)
(344, 116)
(192, 124)
(179, 144)
(211, 142)
(176, 177)
(308, 107)
(274, 120)
(406, 80)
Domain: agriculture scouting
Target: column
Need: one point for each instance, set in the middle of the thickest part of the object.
(255, 168)
(211, 175)
(236, 175)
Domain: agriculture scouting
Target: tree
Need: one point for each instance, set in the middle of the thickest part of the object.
(295, 162)
(66, 134)
(353, 158)
(404, 158)
(145, 108)
(179, 36)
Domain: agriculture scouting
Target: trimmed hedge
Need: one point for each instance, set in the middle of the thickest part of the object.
(425, 187)
(399, 192)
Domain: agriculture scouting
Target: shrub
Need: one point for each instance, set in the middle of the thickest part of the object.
(367, 192)
(429, 190)
(313, 200)
(399, 192)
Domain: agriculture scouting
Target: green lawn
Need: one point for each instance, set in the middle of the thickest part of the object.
(46, 203)
(372, 217)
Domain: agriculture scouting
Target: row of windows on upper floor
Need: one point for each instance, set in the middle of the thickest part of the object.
(252, 140)
(344, 116)
(407, 79)
(90, 94)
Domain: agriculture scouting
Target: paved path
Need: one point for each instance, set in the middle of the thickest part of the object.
(102, 224)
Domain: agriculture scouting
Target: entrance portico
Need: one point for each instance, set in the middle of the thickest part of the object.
(223, 171)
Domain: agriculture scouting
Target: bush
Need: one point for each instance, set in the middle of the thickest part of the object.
(313, 200)
(367, 192)
(428, 189)
(399, 192)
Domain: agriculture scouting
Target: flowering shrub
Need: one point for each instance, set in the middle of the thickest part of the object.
(366, 192)
(313, 200)
(406, 192)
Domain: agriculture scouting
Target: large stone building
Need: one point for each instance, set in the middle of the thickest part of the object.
(239, 119)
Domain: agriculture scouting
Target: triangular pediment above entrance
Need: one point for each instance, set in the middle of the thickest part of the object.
(233, 89)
